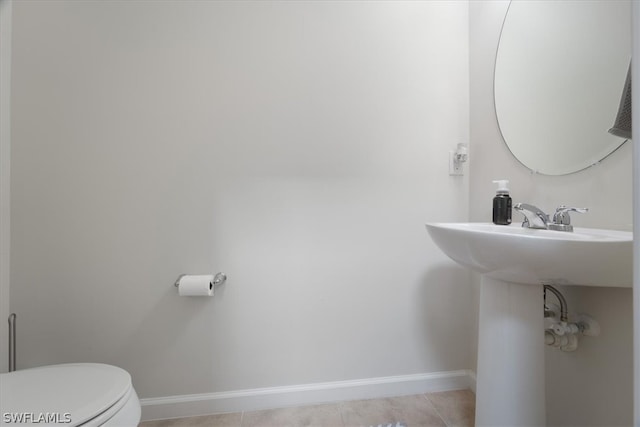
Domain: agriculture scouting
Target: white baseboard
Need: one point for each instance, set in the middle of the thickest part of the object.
(307, 394)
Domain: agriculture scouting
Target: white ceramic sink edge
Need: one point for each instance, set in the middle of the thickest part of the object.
(586, 256)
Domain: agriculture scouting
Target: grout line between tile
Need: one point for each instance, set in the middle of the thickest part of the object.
(340, 408)
(426, 396)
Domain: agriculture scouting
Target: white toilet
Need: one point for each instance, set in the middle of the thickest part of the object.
(74, 394)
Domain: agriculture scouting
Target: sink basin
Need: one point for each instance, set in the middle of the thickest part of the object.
(588, 257)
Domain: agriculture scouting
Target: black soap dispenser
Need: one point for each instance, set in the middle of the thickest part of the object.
(502, 203)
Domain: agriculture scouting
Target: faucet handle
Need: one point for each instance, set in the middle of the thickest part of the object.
(562, 220)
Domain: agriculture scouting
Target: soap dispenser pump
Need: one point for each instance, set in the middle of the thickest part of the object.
(502, 203)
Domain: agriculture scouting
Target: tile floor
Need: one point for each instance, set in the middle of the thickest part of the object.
(444, 409)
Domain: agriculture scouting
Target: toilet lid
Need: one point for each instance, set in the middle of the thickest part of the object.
(69, 394)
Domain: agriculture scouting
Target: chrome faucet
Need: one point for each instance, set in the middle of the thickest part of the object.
(535, 218)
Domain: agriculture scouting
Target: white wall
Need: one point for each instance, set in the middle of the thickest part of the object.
(297, 146)
(5, 166)
(592, 386)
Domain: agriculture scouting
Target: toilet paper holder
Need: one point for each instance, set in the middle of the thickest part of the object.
(218, 279)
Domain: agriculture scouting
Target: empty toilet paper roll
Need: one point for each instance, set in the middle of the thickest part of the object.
(195, 285)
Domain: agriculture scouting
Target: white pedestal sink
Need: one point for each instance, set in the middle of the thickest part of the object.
(515, 263)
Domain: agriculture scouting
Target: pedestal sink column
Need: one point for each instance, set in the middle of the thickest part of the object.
(510, 378)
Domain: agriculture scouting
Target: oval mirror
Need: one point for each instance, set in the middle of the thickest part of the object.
(559, 75)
